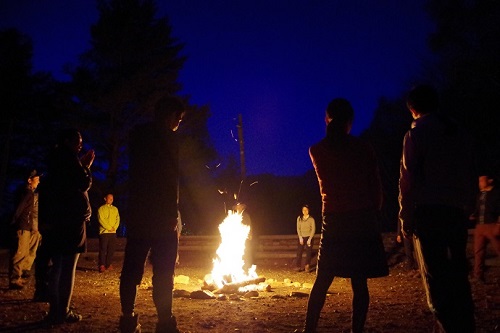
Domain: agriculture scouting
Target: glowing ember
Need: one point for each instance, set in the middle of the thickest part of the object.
(228, 265)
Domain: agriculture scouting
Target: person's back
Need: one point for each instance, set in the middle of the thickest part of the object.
(346, 173)
(436, 184)
(153, 174)
(444, 174)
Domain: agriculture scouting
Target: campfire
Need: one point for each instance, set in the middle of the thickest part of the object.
(228, 274)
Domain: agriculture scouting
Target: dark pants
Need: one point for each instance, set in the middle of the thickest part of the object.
(107, 246)
(360, 301)
(484, 234)
(61, 283)
(163, 256)
(440, 246)
(300, 251)
(42, 270)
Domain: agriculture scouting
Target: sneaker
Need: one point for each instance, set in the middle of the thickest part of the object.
(102, 269)
(72, 317)
(169, 326)
(16, 284)
(110, 268)
(130, 324)
(53, 319)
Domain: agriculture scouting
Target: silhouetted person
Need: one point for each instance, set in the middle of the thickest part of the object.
(152, 223)
(351, 245)
(28, 237)
(436, 183)
(64, 213)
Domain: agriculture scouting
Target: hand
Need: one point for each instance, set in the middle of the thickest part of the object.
(309, 243)
(301, 241)
(88, 158)
(398, 239)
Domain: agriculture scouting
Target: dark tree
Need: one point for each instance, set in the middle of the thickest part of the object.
(133, 62)
(467, 43)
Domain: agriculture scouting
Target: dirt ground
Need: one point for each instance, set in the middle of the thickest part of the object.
(397, 302)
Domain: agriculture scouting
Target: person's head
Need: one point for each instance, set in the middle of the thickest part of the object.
(339, 115)
(70, 138)
(170, 110)
(34, 179)
(485, 182)
(421, 100)
(108, 199)
(305, 210)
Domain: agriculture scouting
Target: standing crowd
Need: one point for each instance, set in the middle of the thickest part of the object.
(437, 194)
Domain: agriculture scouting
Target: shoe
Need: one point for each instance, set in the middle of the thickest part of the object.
(16, 284)
(102, 269)
(57, 319)
(130, 324)
(72, 317)
(299, 269)
(169, 326)
(110, 268)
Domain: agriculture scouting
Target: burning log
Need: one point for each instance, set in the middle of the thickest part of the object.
(234, 286)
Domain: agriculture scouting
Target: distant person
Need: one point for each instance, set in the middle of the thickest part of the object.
(248, 256)
(436, 182)
(109, 221)
(306, 228)
(25, 221)
(64, 213)
(351, 244)
(487, 218)
(153, 217)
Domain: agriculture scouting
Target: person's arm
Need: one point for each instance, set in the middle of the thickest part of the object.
(407, 185)
(117, 219)
(312, 228)
(301, 240)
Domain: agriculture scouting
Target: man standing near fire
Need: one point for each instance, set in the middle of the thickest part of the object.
(152, 224)
(436, 184)
(351, 245)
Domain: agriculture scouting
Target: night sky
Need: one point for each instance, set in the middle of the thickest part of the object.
(277, 63)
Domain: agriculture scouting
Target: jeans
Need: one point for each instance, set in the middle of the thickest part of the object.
(440, 246)
(163, 255)
(61, 283)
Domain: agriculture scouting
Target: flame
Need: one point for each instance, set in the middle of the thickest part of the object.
(229, 262)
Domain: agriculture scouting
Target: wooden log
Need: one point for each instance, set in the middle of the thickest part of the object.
(234, 286)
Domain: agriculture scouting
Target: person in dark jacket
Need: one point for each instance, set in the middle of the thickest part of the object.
(350, 245)
(153, 217)
(64, 213)
(28, 237)
(436, 185)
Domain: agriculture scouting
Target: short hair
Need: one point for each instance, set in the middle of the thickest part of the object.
(340, 111)
(423, 99)
(168, 105)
